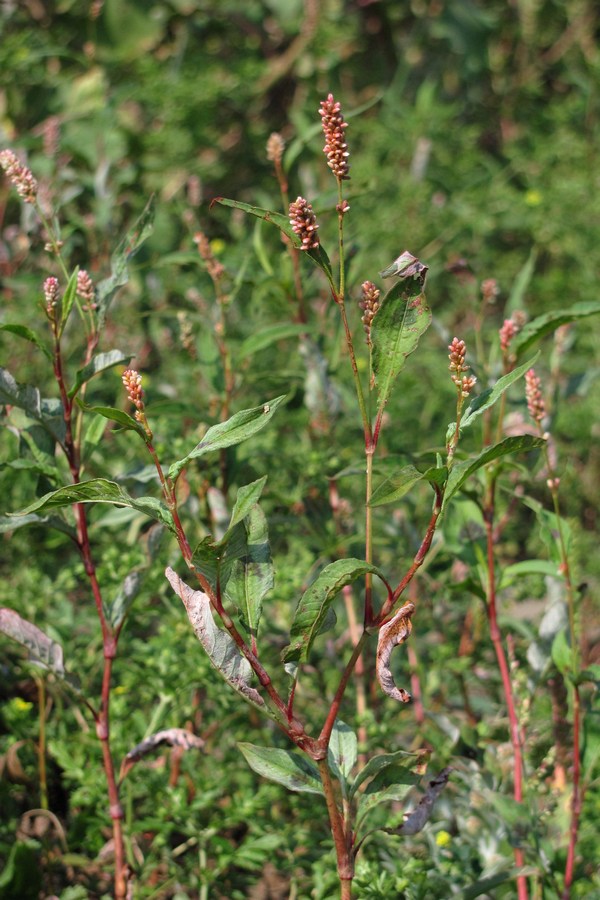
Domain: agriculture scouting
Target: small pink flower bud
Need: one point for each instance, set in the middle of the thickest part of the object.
(336, 148)
(51, 290)
(275, 148)
(85, 286)
(304, 223)
(19, 175)
(458, 351)
(535, 399)
(489, 290)
(369, 302)
(132, 381)
(507, 332)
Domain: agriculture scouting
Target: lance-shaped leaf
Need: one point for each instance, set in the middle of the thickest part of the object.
(318, 254)
(342, 752)
(397, 327)
(114, 415)
(293, 771)
(488, 397)
(265, 337)
(395, 487)
(99, 490)
(542, 325)
(11, 523)
(219, 645)
(395, 632)
(48, 412)
(463, 470)
(117, 610)
(247, 497)
(419, 817)
(251, 576)
(378, 764)
(68, 298)
(238, 428)
(98, 364)
(393, 793)
(119, 276)
(28, 335)
(174, 737)
(316, 601)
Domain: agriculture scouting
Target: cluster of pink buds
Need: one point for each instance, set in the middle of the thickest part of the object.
(51, 291)
(85, 288)
(304, 223)
(369, 303)
(19, 175)
(535, 399)
(507, 332)
(457, 355)
(489, 290)
(275, 148)
(336, 148)
(132, 381)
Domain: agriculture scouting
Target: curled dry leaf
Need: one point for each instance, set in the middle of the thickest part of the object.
(175, 737)
(417, 819)
(395, 632)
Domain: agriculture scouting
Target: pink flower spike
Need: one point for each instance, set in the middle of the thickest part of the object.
(19, 175)
(336, 148)
(535, 399)
(304, 223)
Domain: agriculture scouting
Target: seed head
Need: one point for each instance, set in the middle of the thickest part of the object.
(19, 175)
(216, 269)
(304, 223)
(535, 399)
(369, 302)
(336, 148)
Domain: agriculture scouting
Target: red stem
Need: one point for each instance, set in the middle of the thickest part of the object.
(577, 799)
(496, 638)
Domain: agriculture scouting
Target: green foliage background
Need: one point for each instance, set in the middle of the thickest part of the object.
(474, 137)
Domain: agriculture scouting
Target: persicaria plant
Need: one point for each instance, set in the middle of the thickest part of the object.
(226, 578)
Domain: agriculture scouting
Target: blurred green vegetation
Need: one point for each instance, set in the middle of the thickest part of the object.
(473, 130)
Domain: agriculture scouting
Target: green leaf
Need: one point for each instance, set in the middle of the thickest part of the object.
(92, 436)
(484, 886)
(397, 327)
(314, 604)
(12, 523)
(459, 474)
(260, 340)
(318, 255)
(488, 397)
(395, 487)
(521, 283)
(48, 412)
(394, 793)
(220, 647)
(247, 497)
(293, 771)
(119, 276)
(98, 364)
(226, 434)
(115, 415)
(382, 762)
(562, 655)
(68, 299)
(28, 335)
(251, 577)
(342, 752)
(119, 607)
(99, 490)
(542, 325)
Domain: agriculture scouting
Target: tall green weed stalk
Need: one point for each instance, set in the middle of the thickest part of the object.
(230, 573)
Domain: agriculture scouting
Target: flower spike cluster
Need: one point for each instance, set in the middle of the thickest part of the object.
(535, 399)
(457, 355)
(19, 175)
(336, 148)
(304, 223)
